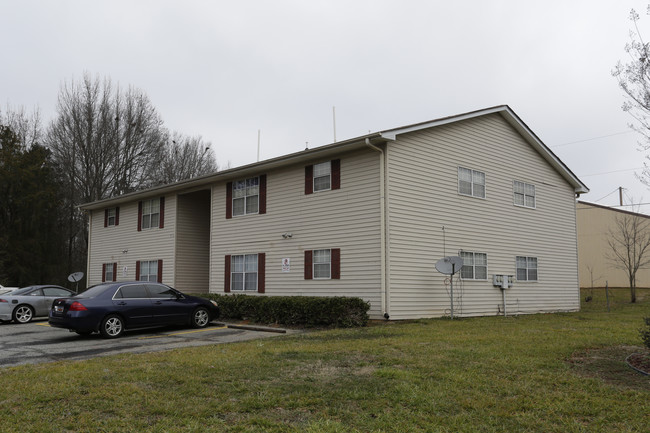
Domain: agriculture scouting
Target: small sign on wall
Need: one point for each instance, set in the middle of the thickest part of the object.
(125, 271)
(286, 265)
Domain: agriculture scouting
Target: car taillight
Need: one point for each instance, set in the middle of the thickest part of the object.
(3, 300)
(77, 306)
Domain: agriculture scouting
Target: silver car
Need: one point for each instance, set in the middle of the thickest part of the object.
(24, 304)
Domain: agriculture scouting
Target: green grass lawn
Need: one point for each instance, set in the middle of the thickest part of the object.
(536, 373)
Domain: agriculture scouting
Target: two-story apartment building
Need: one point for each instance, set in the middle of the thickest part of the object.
(366, 217)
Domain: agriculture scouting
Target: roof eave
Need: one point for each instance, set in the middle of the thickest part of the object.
(197, 183)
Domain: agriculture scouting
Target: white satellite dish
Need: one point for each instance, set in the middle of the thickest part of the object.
(449, 265)
(75, 277)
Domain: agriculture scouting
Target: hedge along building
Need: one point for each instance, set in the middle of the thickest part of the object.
(366, 217)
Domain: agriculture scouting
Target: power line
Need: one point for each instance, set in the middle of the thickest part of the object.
(593, 138)
(614, 171)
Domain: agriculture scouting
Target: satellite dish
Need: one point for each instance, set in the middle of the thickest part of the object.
(449, 265)
(75, 277)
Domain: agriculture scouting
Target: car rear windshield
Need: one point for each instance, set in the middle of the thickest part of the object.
(93, 291)
(22, 291)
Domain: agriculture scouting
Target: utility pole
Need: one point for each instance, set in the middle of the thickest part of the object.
(620, 195)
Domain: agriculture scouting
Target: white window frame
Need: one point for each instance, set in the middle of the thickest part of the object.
(111, 217)
(322, 264)
(108, 270)
(469, 261)
(524, 193)
(246, 266)
(530, 260)
(151, 214)
(147, 265)
(245, 190)
(474, 176)
(321, 172)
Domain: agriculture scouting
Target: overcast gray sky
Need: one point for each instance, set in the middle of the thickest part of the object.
(226, 69)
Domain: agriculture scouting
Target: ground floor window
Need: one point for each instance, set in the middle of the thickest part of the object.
(474, 265)
(109, 271)
(148, 270)
(243, 272)
(526, 268)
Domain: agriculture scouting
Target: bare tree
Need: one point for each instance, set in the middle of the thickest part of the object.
(184, 158)
(27, 127)
(629, 246)
(105, 139)
(634, 79)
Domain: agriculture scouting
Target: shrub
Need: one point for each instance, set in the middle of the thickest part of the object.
(310, 311)
(645, 332)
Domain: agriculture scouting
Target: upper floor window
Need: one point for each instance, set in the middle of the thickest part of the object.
(111, 216)
(524, 194)
(471, 182)
(526, 268)
(324, 176)
(246, 196)
(151, 213)
(474, 266)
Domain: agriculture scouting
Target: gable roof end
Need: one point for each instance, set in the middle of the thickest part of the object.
(507, 114)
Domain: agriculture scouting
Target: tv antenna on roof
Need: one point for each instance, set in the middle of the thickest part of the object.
(449, 266)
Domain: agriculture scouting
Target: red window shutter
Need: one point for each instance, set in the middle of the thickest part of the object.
(117, 216)
(103, 272)
(226, 275)
(336, 173)
(105, 217)
(308, 265)
(139, 217)
(229, 200)
(309, 179)
(160, 267)
(261, 272)
(336, 263)
(161, 223)
(262, 208)
(137, 270)
(114, 271)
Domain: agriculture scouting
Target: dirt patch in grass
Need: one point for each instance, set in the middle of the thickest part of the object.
(610, 364)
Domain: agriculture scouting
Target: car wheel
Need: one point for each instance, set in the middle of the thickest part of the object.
(200, 318)
(23, 314)
(112, 326)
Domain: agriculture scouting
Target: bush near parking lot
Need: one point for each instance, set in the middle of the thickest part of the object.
(311, 311)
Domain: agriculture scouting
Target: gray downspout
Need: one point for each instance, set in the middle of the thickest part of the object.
(382, 205)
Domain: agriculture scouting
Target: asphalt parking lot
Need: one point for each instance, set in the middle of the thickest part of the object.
(36, 342)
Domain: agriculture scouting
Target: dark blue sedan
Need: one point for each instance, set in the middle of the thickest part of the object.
(112, 308)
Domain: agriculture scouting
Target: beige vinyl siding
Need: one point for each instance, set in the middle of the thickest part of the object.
(596, 270)
(347, 218)
(110, 243)
(193, 242)
(423, 197)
